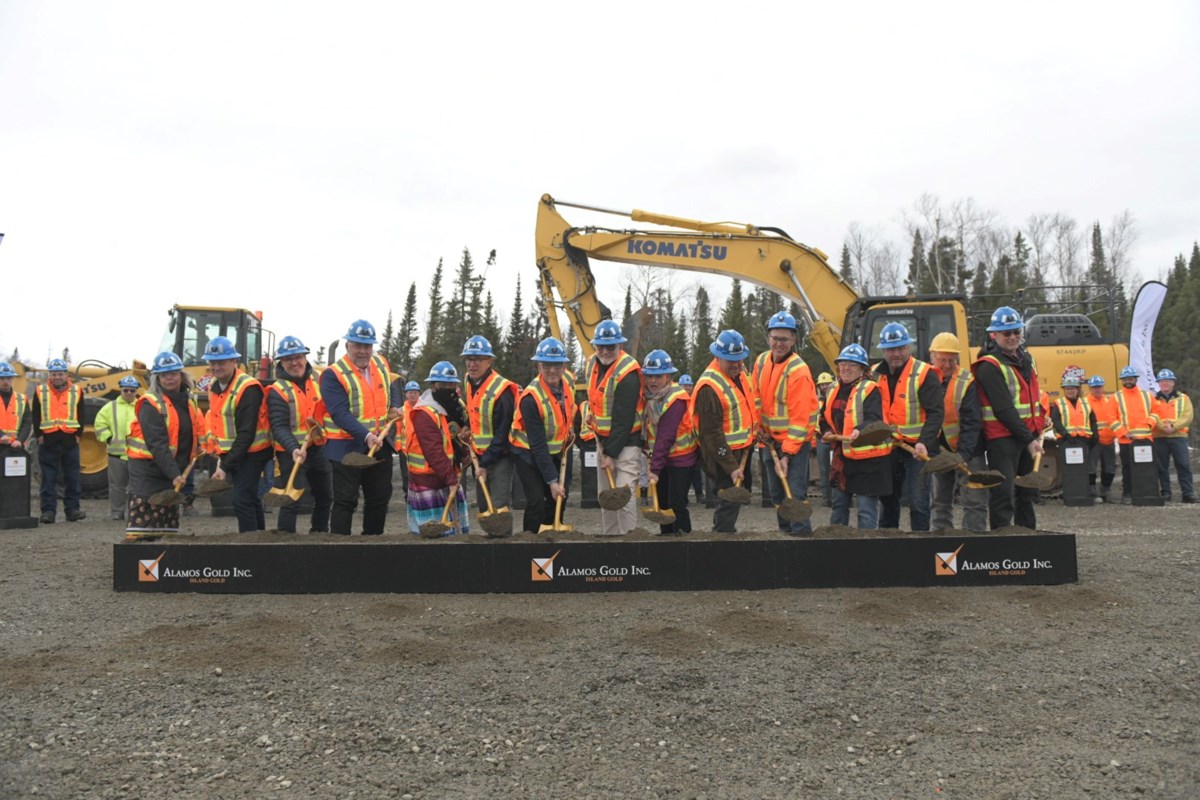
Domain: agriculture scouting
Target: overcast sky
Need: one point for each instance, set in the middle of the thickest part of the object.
(311, 160)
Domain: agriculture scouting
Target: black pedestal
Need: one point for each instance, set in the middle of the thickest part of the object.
(588, 494)
(1144, 476)
(15, 478)
(1072, 465)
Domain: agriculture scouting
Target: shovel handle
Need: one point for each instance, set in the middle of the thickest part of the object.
(188, 470)
(787, 490)
(449, 504)
(911, 450)
(482, 483)
(381, 433)
(741, 466)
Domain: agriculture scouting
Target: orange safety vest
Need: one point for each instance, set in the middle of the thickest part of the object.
(12, 414)
(369, 399)
(956, 389)
(601, 391)
(740, 415)
(556, 417)
(60, 410)
(685, 434)
(1076, 417)
(1137, 414)
(135, 443)
(402, 427)
(302, 406)
(786, 398)
(852, 420)
(1108, 417)
(222, 411)
(417, 465)
(1025, 397)
(904, 410)
(480, 404)
(1175, 409)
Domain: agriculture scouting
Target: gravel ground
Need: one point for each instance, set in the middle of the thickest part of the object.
(1084, 690)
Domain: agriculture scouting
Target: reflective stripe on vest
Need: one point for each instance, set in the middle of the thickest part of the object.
(60, 410)
(116, 445)
(481, 403)
(852, 420)
(417, 464)
(555, 417)
(222, 415)
(956, 390)
(904, 410)
(369, 400)
(1108, 416)
(301, 405)
(740, 417)
(773, 411)
(1013, 381)
(601, 391)
(685, 435)
(1178, 407)
(11, 414)
(1075, 417)
(135, 444)
(1140, 426)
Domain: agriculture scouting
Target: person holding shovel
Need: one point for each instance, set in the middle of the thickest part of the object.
(433, 463)
(491, 404)
(356, 392)
(614, 381)
(911, 391)
(237, 417)
(858, 471)
(1009, 401)
(960, 434)
(726, 420)
(294, 406)
(541, 435)
(165, 436)
(671, 440)
(787, 406)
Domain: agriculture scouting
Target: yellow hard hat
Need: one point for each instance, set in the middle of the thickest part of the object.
(944, 342)
(824, 378)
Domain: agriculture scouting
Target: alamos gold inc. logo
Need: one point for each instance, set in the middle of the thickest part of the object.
(543, 568)
(148, 568)
(946, 563)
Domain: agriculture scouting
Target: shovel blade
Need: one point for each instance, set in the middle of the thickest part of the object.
(212, 487)
(736, 494)
(793, 510)
(615, 499)
(357, 461)
(984, 480)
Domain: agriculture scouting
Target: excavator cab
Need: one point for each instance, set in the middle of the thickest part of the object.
(192, 327)
(924, 317)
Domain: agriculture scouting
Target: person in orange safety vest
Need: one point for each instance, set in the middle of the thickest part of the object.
(56, 408)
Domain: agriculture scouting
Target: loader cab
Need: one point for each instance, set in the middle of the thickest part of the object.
(924, 318)
(191, 328)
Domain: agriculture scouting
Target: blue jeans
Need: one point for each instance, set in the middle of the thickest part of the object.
(1166, 450)
(797, 478)
(868, 509)
(824, 458)
(906, 482)
(52, 458)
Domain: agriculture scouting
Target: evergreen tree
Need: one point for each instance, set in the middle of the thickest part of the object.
(408, 335)
(514, 340)
(387, 345)
(979, 281)
(918, 271)
(627, 314)
(434, 326)
(847, 269)
(490, 324)
(459, 323)
(733, 316)
(703, 333)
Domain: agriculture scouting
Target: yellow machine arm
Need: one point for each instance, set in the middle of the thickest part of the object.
(762, 256)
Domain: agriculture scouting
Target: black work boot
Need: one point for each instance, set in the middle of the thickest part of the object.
(47, 518)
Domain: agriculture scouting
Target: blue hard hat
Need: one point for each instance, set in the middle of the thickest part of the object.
(56, 365)
(894, 334)
(6, 370)
(290, 346)
(782, 320)
(1128, 372)
(442, 371)
(1005, 318)
(657, 362)
(412, 386)
(220, 349)
(1165, 375)
(608, 333)
(166, 362)
(1096, 380)
(551, 351)
(361, 332)
(128, 382)
(854, 353)
(730, 345)
(478, 347)
(686, 380)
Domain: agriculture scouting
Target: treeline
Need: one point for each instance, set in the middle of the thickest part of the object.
(1174, 344)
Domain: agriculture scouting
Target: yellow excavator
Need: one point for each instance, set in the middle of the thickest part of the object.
(188, 331)
(834, 314)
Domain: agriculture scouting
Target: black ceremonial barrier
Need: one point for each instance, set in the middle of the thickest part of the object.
(610, 566)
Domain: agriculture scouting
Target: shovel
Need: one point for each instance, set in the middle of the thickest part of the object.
(1034, 479)
(737, 493)
(874, 433)
(361, 460)
(277, 498)
(210, 487)
(984, 479)
(436, 530)
(173, 497)
(656, 513)
(791, 509)
(496, 522)
(944, 461)
(559, 526)
(612, 498)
